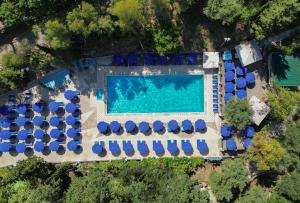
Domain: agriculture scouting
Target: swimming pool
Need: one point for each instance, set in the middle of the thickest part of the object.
(155, 94)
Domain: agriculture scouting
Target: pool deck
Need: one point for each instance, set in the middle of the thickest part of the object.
(93, 111)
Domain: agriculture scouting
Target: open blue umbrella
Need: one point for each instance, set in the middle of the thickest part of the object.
(55, 133)
(228, 96)
(130, 126)
(200, 125)
(39, 134)
(158, 126)
(177, 59)
(191, 59)
(73, 132)
(247, 142)
(225, 131)
(71, 120)
(102, 127)
(4, 110)
(71, 108)
(202, 146)
(118, 60)
(187, 125)
(162, 60)
(73, 145)
(250, 78)
(20, 147)
(240, 71)
(148, 59)
(172, 147)
(21, 108)
(5, 134)
(228, 66)
(250, 131)
(114, 147)
(144, 127)
(240, 82)
(173, 125)
(97, 148)
(5, 146)
(53, 106)
(186, 146)
(132, 59)
(54, 146)
(39, 146)
(38, 120)
(55, 121)
(229, 87)
(5, 122)
(142, 147)
(38, 107)
(231, 145)
(241, 94)
(20, 121)
(229, 76)
(69, 94)
(128, 148)
(115, 126)
(158, 148)
(23, 134)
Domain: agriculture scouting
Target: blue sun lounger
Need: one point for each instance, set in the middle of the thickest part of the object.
(215, 110)
(215, 105)
(215, 91)
(215, 86)
(215, 100)
(215, 82)
(215, 96)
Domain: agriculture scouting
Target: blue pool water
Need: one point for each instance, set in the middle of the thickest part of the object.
(155, 94)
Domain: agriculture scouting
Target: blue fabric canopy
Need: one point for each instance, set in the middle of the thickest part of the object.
(173, 125)
(5, 134)
(228, 66)
(115, 126)
(20, 121)
(4, 110)
(148, 59)
(132, 59)
(250, 131)
(71, 120)
(97, 148)
(54, 146)
(172, 147)
(247, 142)
(225, 131)
(56, 79)
(158, 148)
(144, 127)
(240, 82)
(5, 122)
(228, 96)
(187, 125)
(102, 127)
(5, 146)
(38, 120)
(186, 146)
(39, 134)
(23, 134)
(130, 126)
(241, 94)
(177, 59)
(39, 146)
(55, 133)
(229, 76)
(114, 147)
(118, 60)
(128, 148)
(202, 146)
(191, 59)
(73, 132)
(21, 108)
(162, 60)
(53, 106)
(71, 108)
(142, 147)
(227, 55)
(230, 144)
(229, 87)
(158, 126)
(38, 107)
(55, 121)
(20, 147)
(250, 78)
(73, 145)
(200, 125)
(240, 71)
(69, 94)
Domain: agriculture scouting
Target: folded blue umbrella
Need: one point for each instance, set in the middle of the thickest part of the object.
(128, 148)
(142, 147)
(172, 147)
(97, 148)
(158, 148)
(202, 146)
(186, 146)
(114, 147)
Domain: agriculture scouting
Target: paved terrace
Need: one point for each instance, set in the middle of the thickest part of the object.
(93, 111)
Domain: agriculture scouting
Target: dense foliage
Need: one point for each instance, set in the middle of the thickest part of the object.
(238, 113)
(289, 187)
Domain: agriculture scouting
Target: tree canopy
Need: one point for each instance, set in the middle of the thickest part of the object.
(255, 194)
(58, 34)
(289, 187)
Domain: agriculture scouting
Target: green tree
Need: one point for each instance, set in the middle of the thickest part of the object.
(44, 194)
(166, 41)
(289, 187)
(130, 14)
(238, 113)
(255, 194)
(40, 60)
(57, 34)
(266, 152)
(232, 178)
(19, 192)
(276, 198)
(10, 13)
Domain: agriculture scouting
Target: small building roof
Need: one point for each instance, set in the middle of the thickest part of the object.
(248, 52)
(211, 59)
(260, 110)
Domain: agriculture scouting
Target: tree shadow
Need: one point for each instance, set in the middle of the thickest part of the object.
(280, 66)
